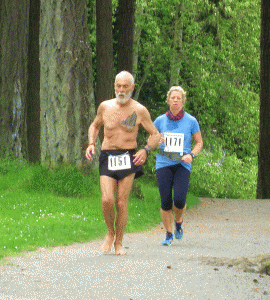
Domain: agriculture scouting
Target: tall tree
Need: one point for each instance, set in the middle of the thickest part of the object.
(67, 98)
(104, 48)
(263, 185)
(33, 87)
(177, 45)
(13, 75)
(125, 25)
(138, 27)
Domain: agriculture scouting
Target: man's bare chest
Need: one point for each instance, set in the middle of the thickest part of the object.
(115, 119)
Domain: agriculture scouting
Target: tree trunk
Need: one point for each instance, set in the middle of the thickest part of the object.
(177, 48)
(137, 37)
(67, 99)
(125, 35)
(263, 184)
(142, 80)
(33, 88)
(13, 75)
(104, 85)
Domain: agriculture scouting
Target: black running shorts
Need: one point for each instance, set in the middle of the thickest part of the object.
(116, 164)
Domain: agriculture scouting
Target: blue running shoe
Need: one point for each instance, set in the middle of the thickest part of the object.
(178, 230)
(168, 240)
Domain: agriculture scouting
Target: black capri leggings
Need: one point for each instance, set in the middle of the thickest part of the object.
(170, 177)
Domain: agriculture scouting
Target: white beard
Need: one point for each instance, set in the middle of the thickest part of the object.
(124, 99)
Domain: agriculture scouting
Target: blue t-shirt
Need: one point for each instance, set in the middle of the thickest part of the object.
(188, 125)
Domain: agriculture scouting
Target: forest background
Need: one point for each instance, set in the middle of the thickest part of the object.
(209, 47)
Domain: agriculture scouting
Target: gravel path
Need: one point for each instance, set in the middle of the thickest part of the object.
(222, 256)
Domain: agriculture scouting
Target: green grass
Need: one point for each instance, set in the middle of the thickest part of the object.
(40, 207)
(31, 220)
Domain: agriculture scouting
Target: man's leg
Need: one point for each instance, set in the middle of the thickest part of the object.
(123, 191)
(108, 186)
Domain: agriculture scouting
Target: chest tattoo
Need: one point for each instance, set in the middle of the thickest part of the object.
(130, 120)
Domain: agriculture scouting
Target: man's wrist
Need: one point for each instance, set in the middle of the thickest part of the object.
(146, 150)
(91, 144)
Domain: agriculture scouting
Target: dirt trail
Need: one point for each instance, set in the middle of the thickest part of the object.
(225, 247)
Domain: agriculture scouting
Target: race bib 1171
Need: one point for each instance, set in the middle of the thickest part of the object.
(174, 142)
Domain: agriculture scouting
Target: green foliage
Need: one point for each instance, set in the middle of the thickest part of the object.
(32, 220)
(223, 91)
(219, 66)
(144, 213)
(33, 215)
(9, 164)
(218, 175)
(267, 269)
(219, 58)
(13, 172)
(64, 180)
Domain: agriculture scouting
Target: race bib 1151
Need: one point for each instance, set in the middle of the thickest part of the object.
(119, 162)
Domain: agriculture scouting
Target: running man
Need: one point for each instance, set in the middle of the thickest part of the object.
(119, 163)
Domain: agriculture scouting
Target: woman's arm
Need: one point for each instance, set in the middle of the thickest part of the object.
(197, 148)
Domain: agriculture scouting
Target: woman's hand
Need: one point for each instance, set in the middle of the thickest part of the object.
(161, 140)
(187, 158)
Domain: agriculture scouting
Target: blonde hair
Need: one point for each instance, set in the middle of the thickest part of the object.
(177, 89)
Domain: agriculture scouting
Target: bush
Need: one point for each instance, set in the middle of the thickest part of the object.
(64, 180)
(13, 172)
(10, 164)
(218, 175)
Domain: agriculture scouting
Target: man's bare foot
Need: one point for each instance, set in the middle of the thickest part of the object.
(119, 250)
(107, 245)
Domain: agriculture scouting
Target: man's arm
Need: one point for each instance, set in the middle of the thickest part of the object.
(149, 126)
(153, 140)
(93, 133)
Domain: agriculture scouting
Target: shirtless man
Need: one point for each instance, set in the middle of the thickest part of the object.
(119, 163)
